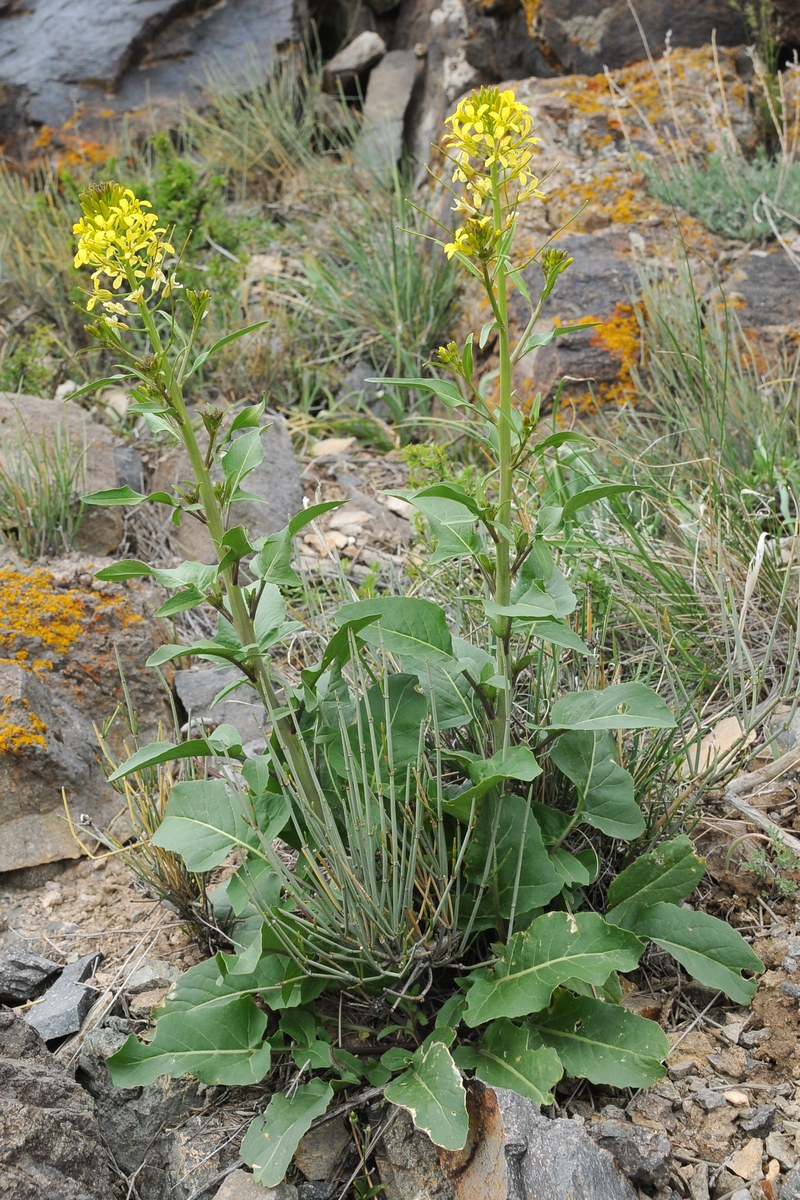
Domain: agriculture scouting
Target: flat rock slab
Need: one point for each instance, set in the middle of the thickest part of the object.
(196, 688)
(60, 634)
(24, 975)
(62, 57)
(51, 1144)
(391, 84)
(65, 1005)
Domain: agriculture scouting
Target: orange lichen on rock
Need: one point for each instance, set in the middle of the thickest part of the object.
(619, 336)
(16, 735)
(32, 607)
(531, 10)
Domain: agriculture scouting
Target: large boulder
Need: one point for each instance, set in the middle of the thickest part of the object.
(50, 1143)
(67, 59)
(61, 636)
(513, 1152)
(579, 37)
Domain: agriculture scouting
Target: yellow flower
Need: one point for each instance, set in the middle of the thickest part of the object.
(123, 242)
(490, 143)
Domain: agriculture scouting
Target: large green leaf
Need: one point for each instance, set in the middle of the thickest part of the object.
(215, 982)
(555, 947)
(385, 733)
(621, 706)
(413, 630)
(217, 1044)
(272, 1139)
(450, 694)
(160, 752)
(453, 525)
(522, 868)
(431, 1090)
(605, 789)
(710, 950)
(603, 1042)
(670, 873)
(505, 1058)
(515, 762)
(242, 457)
(206, 819)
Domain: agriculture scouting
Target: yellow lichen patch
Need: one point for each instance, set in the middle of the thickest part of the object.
(531, 9)
(619, 335)
(15, 735)
(32, 607)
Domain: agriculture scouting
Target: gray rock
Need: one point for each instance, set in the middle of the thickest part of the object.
(380, 143)
(760, 1122)
(353, 62)
(26, 417)
(643, 1155)
(512, 1153)
(708, 1099)
(51, 1143)
(151, 974)
(147, 55)
(790, 1185)
(64, 1006)
(584, 36)
(130, 468)
(135, 1122)
(197, 687)
(240, 1185)
(322, 1149)
(23, 976)
(548, 1158)
(315, 1189)
(276, 482)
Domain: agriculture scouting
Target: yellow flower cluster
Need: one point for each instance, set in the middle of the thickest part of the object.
(491, 145)
(126, 246)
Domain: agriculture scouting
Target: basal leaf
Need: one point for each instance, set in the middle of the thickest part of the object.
(669, 873)
(272, 1138)
(620, 706)
(506, 1058)
(588, 758)
(207, 818)
(710, 950)
(216, 982)
(222, 1044)
(431, 1090)
(160, 752)
(603, 1042)
(556, 947)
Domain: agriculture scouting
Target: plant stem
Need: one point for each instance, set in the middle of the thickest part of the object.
(296, 756)
(502, 582)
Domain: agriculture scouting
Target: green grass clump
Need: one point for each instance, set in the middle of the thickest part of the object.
(724, 194)
(42, 479)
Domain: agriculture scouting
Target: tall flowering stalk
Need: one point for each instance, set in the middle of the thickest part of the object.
(122, 240)
(491, 145)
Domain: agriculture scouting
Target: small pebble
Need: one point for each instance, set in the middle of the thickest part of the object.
(737, 1099)
(682, 1068)
(760, 1122)
(709, 1100)
(746, 1163)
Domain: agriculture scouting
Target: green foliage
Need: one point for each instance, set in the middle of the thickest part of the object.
(41, 481)
(724, 194)
(412, 894)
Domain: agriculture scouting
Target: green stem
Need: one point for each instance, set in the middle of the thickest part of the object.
(240, 617)
(502, 582)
